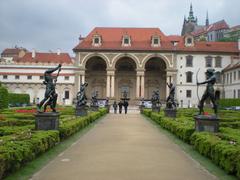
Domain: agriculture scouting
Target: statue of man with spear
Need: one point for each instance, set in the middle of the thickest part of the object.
(50, 97)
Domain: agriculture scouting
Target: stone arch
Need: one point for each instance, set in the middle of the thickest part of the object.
(91, 55)
(150, 56)
(122, 55)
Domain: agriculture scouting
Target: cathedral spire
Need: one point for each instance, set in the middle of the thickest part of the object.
(207, 20)
(191, 17)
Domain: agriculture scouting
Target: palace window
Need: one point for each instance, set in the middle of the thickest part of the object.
(126, 41)
(238, 75)
(189, 93)
(155, 41)
(234, 93)
(218, 77)
(234, 75)
(5, 76)
(66, 78)
(96, 41)
(218, 61)
(29, 77)
(208, 61)
(230, 78)
(17, 77)
(238, 93)
(189, 41)
(189, 61)
(41, 77)
(66, 94)
(189, 76)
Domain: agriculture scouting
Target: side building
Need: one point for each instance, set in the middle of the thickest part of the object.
(25, 75)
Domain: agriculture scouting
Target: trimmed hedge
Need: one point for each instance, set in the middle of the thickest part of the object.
(222, 148)
(14, 154)
(15, 98)
(228, 102)
(20, 144)
(3, 98)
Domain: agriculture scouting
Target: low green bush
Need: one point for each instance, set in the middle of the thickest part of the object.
(15, 98)
(7, 130)
(228, 102)
(3, 97)
(15, 122)
(222, 152)
(14, 154)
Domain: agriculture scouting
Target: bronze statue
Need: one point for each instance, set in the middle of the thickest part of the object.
(94, 101)
(170, 99)
(81, 96)
(50, 97)
(155, 99)
(209, 92)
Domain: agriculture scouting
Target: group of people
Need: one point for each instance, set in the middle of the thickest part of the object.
(119, 106)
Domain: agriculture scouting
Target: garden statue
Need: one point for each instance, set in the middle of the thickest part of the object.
(48, 120)
(209, 92)
(207, 122)
(81, 95)
(156, 101)
(94, 101)
(170, 99)
(50, 97)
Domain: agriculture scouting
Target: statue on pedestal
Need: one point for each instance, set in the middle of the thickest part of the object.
(156, 104)
(81, 95)
(94, 101)
(209, 92)
(206, 122)
(50, 97)
(170, 99)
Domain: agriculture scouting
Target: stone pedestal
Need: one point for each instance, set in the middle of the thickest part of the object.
(94, 108)
(47, 121)
(208, 123)
(81, 111)
(170, 112)
(156, 109)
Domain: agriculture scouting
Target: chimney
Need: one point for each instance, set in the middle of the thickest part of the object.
(33, 53)
(58, 51)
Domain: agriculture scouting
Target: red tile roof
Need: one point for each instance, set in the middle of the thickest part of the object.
(12, 51)
(212, 27)
(62, 58)
(141, 41)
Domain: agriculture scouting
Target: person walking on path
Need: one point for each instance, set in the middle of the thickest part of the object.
(115, 107)
(120, 104)
(125, 105)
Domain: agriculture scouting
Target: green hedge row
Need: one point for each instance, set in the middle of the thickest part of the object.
(3, 97)
(221, 152)
(222, 148)
(14, 154)
(15, 98)
(18, 149)
(228, 102)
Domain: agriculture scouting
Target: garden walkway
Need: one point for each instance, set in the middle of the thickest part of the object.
(123, 147)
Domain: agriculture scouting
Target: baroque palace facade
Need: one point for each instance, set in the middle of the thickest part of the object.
(135, 60)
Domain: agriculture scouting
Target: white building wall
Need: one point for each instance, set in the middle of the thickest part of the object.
(199, 63)
(232, 84)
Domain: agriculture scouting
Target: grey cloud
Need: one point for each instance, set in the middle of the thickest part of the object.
(48, 25)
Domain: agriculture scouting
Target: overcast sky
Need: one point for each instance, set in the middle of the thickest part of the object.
(51, 24)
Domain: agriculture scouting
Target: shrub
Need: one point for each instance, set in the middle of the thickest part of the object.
(228, 102)
(15, 154)
(15, 98)
(3, 97)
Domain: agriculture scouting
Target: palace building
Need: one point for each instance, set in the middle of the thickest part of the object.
(135, 60)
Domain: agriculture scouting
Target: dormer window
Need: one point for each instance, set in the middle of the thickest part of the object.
(97, 41)
(189, 41)
(155, 41)
(126, 41)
